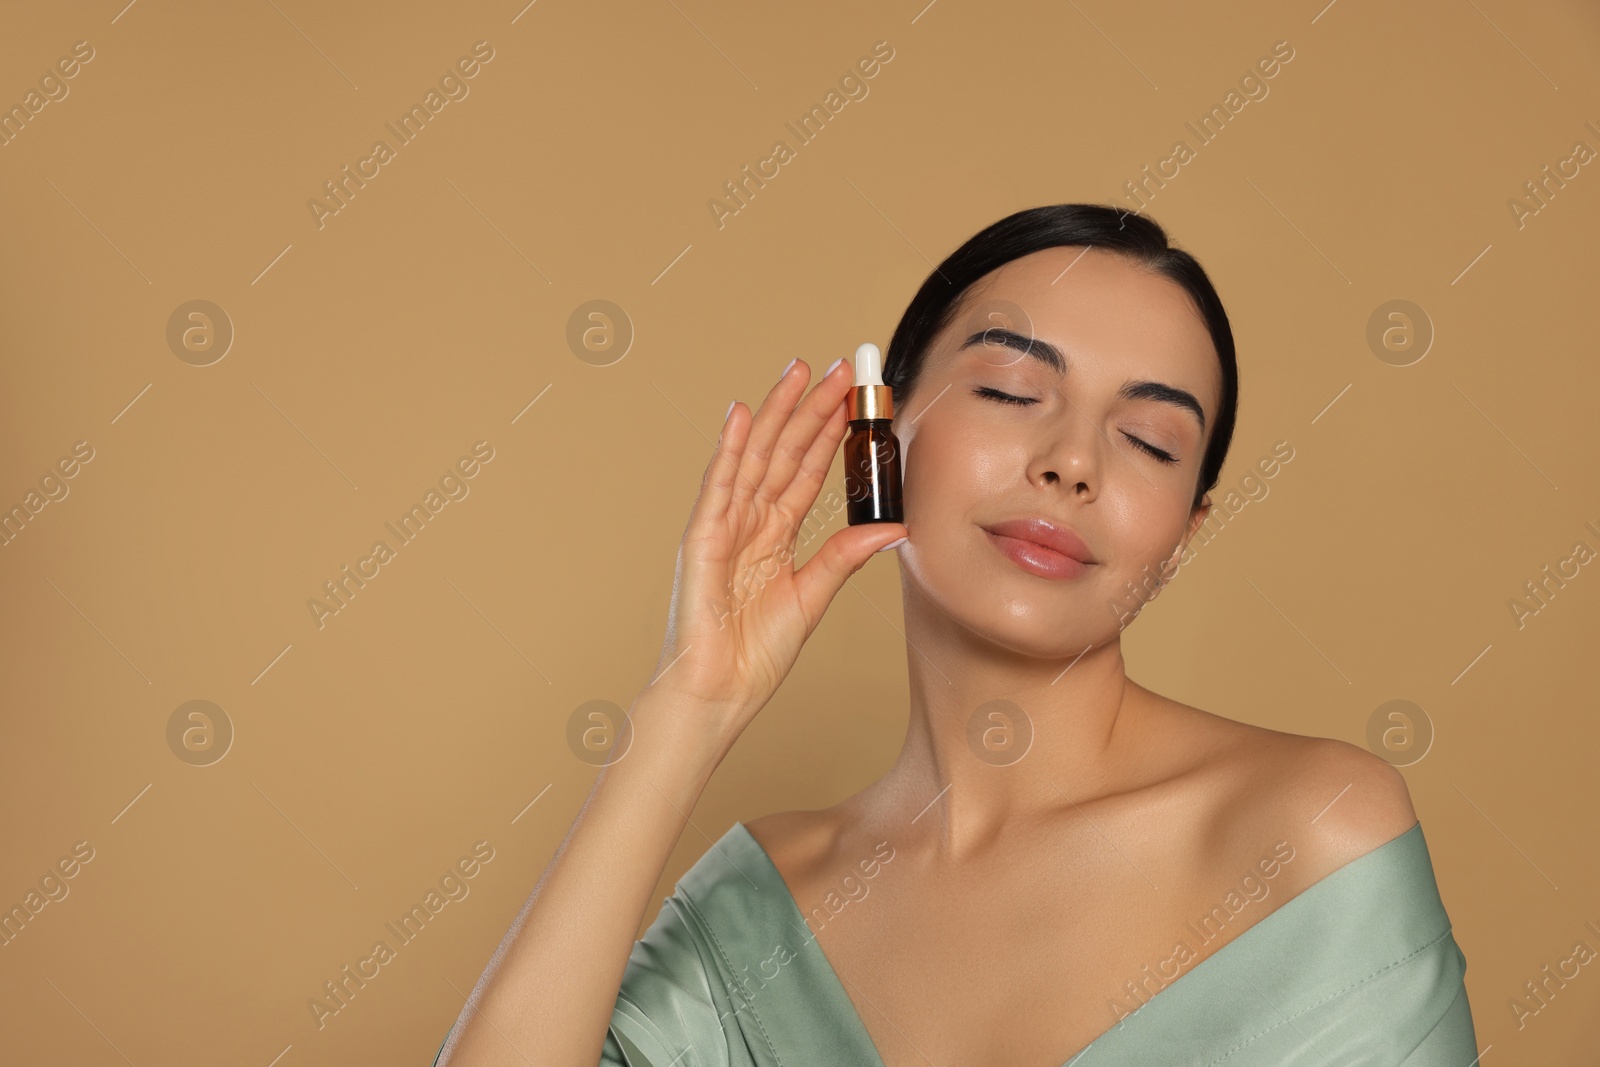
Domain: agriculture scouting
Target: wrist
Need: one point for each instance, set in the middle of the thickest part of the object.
(678, 739)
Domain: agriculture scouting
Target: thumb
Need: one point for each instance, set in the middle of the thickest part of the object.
(840, 556)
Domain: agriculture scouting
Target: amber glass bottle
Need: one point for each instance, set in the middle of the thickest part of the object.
(871, 450)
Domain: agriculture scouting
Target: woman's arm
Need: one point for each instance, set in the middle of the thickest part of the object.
(547, 995)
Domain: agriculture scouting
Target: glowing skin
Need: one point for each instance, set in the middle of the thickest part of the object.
(974, 460)
(1026, 884)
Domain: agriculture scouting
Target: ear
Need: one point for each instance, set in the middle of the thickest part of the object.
(1197, 519)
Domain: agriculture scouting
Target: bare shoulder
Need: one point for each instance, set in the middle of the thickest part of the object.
(1332, 801)
(795, 841)
(1349, 800)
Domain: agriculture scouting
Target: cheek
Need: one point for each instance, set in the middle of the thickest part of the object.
(921, 469)
(994, 469)
(953, 479)
(944, 494)
(1144, 528)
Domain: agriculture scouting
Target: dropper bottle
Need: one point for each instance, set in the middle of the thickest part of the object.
(871, 450)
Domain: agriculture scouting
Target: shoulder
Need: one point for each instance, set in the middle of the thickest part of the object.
(778, 827)
(795, 841)
(1333, 802)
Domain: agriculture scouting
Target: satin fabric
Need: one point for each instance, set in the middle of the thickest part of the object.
(1358, 970)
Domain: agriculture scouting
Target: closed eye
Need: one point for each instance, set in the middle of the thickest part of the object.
(1160, 454)
(1004, 398)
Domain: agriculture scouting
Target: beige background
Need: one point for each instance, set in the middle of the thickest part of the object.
(372, 352)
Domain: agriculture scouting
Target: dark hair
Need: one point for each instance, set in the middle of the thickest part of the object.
(1141, 240)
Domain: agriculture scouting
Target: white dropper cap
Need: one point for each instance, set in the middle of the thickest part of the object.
(869, 365)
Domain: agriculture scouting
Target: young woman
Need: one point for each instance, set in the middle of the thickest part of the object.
(1062, 867)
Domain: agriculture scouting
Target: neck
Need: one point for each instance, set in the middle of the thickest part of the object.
(998, 736)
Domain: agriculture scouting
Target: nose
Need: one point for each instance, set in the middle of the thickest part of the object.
(1068, 454)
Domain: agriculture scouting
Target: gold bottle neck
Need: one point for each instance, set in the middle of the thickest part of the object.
(872, 402)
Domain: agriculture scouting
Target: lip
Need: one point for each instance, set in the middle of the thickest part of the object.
(1041, 547)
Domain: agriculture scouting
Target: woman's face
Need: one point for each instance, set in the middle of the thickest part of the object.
(1067, 454)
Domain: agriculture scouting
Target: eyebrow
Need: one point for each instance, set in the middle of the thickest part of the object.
(1050, 356)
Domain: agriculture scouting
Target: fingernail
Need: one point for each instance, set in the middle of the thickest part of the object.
(786, 367)
(725, 414)
(832, 365)
(893, 544)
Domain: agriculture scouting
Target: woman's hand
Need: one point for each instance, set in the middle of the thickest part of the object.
(552, 985)
(740, 610)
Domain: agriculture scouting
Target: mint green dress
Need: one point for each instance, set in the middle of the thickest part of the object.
(1360, 968)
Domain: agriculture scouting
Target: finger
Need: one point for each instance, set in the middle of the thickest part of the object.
(769, 419)
(802, 490)
(799, 436)
(716, 485)
(819, 581)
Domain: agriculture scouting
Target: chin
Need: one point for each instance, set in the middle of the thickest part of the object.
(999, 604)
